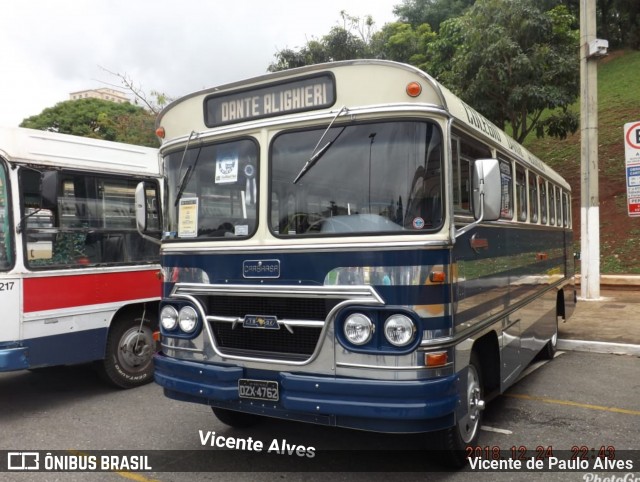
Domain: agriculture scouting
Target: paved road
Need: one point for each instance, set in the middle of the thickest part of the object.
(578, 400)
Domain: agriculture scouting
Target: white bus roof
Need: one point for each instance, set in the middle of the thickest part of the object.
(29, 146)
(360, 84)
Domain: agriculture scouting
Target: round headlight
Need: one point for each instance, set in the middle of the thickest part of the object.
(399, 330)
(188, 319)
(168, 317)
(358, 329)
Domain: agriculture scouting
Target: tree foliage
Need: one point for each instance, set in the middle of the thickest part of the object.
(431, 12)
(99, 119)
(512, 61)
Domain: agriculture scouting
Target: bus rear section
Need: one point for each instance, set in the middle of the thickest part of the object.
(361, 258)
(78, 283)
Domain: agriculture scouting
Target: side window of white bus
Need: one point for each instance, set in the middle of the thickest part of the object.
(91, 222)
(6, 233)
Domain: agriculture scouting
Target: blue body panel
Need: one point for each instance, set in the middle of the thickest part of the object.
(390, 406)
(66, 349)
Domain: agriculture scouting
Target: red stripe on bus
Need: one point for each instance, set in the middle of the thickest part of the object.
(56, 292)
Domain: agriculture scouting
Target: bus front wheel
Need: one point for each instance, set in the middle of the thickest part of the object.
(236, 419)
(455, 440)
(129, 354)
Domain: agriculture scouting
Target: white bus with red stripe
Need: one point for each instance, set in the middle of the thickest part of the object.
(78, 283)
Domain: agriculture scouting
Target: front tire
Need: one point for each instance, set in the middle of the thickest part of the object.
(455, 440)
(129, 354)
(236, 419)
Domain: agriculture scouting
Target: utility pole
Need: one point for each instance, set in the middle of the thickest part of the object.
(590, 49)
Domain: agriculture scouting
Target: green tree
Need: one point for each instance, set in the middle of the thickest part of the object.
(403, 43)
(431, 12)
(99, 119)
(351, 40)
(512, 62)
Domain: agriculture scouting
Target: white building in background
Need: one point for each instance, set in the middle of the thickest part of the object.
(102, 93)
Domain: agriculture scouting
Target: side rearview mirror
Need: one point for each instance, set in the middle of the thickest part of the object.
(487, 193)
(487, 190)
(142, 213)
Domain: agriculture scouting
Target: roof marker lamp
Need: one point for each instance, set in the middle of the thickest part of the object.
(358, 329)
(399, 330)
(414, 89)
(169, 318)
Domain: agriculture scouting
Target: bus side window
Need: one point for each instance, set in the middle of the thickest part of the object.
(558, 207)
(565, 210)
(552, 205)
(464, 151)
(542, 192)
(506, 211)
(521, 193)
(533, 198)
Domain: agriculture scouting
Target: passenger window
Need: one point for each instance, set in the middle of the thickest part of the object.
(558, 207)
(464, 151)
(552, 205)
(506, 209)
(521, 193)
(542, 191)
(91, 223)
(533, 198)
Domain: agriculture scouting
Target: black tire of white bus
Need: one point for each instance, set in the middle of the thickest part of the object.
(452, 443)
(128, 361)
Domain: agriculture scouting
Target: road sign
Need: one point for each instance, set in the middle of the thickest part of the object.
(632, 166)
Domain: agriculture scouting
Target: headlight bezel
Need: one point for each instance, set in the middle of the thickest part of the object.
(181, 327)
(378, 343)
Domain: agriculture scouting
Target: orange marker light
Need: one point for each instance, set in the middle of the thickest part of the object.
(437, 276)
(437, 359)
(414, 89)
(160, 132)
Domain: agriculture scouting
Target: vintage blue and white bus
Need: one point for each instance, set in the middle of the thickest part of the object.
(350, 244)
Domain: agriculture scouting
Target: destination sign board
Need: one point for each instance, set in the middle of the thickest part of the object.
(301, 94)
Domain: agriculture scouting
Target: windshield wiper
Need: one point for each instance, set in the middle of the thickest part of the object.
(190, 169)
(318, 153)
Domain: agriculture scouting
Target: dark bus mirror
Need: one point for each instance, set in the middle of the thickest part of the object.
(487, 189)
(49, 190)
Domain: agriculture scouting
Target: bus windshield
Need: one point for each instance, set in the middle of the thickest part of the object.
(6, 233)
(375, 178)
(211, 190)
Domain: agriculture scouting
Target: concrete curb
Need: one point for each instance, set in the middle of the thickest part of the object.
(599, 347)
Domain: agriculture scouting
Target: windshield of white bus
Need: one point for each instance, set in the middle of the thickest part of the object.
(376, 178)
(212, 190)
(6, 233)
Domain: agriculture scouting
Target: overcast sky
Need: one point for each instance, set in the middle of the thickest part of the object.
(50, 48)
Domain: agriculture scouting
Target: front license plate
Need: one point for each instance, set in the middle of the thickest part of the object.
(258, 389)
